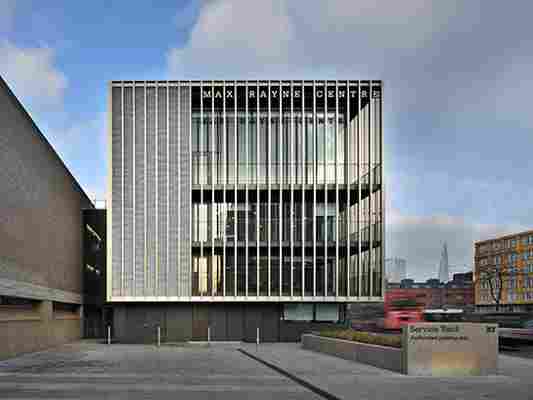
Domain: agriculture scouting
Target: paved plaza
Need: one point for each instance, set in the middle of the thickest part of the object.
(89, 370)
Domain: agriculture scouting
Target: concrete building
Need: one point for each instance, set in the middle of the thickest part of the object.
(41, 237)
(238, 205)
(504, 273)
(395, 269)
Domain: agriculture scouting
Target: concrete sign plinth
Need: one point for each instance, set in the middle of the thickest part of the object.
(450, 349)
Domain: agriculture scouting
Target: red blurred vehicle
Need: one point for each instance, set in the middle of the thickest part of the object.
(400, 310)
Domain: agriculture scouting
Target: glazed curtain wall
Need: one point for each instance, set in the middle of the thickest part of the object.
(235, 190)
(278, 210)
(251, 153)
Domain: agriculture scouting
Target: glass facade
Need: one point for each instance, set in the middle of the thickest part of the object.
(265, 189)
(286, 182)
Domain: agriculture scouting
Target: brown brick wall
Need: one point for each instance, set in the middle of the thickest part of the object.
(40, 206)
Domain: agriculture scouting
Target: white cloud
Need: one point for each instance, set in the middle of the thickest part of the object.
(443, 63)
(384, 24)
(232, 38)
(438, 56)
(31, 74)
(243, 38)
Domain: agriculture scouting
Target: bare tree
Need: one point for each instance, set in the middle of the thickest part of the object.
(494, 277)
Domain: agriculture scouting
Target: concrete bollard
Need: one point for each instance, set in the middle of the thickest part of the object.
(158, 336)
(108, 334)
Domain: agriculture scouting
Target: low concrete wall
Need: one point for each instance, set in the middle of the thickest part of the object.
(429, 349)
(379, 356)
(33, 330)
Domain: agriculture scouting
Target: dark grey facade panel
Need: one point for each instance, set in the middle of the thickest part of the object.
(181, 322)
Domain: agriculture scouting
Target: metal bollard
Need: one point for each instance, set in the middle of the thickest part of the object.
(108, 334)
(158, 336)
(257, 340)
(208, 335)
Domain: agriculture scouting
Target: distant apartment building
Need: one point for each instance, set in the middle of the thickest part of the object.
(395, 269)
(504, 273)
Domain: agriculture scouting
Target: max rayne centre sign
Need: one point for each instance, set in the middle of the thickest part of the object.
(296, 92)
(450, 349)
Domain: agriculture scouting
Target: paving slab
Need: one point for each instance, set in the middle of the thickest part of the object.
(351, 380)
(98, 371)
(89, 370)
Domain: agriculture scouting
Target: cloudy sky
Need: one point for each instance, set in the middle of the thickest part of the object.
(458, 88)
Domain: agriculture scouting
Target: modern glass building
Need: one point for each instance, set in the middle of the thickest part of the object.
(244, 195)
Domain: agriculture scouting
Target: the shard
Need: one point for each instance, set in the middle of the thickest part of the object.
(444, 266)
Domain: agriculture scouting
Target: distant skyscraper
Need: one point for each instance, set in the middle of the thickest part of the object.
(395, 269)
(444, 275)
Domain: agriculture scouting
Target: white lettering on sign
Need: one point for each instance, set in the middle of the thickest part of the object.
(285, 93)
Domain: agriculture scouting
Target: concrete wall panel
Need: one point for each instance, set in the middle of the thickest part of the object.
(135, 323)
(41, 232)
(235, 318)
(24, 331)
(40, 205)
(178, 322)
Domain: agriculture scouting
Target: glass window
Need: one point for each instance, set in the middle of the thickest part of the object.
(263, 146)
(298, 312)
(252, 148)
(330, 149)
(263, 273)
(252, 272)
(230, 272)
(327, 312)
(230, 150)
(320, 148)
(287, 154)
(241, 273)
(241, 151)
(299, 148)
(274, 150)
(309, 156)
